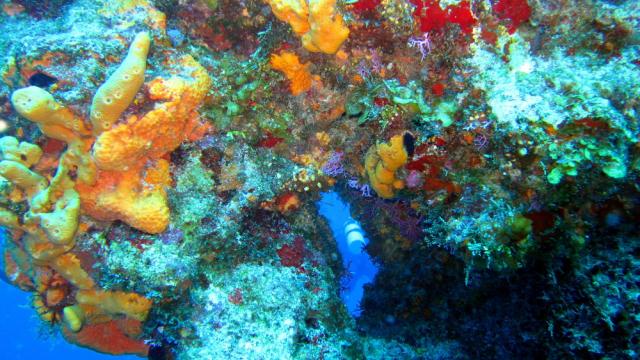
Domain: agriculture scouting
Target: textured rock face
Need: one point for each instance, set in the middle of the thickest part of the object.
(161, 164)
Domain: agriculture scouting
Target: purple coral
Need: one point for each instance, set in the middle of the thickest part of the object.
(422, 43)
(376, 62)
(333, 166)
(172, 236)
(363, 70)
(480, 141)
(364, 189)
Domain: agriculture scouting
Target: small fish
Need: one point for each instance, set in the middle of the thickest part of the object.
(42, 80)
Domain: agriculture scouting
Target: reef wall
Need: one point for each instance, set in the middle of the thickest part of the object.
(160, 164)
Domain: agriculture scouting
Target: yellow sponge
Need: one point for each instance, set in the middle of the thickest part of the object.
(73, 317)
(61, 223)
(53, 119)
(115, 95)
(393, 154)
(319, 24)
(328, 30)
(68, 265)
(22, 177)
(23, 152)
(116, 303)
(381, 164)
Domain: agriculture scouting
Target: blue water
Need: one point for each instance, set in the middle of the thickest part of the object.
(360, 269)
(20, 327)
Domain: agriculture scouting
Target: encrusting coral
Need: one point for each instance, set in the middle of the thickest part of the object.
(318, 23)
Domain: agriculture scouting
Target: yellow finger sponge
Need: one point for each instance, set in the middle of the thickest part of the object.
(116, 303)
(118, 91)
(53, 119)
(61, 223)
(26, 153)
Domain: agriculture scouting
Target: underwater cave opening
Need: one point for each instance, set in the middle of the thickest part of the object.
(351, 241)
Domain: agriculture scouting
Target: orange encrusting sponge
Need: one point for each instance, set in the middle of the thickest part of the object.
(298, 74)
(318, 23)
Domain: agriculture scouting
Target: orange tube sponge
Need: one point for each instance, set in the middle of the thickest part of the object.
(381, 164)
(162, 129)
(318, 23)
(297, 73)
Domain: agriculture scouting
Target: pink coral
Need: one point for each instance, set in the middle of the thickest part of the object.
(414, 179)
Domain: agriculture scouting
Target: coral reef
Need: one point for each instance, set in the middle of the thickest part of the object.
(162, 165)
